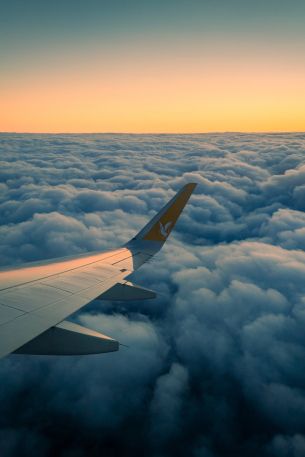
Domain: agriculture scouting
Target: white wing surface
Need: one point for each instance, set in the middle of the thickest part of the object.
(36, 298)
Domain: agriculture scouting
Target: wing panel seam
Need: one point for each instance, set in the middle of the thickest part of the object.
(57, 274)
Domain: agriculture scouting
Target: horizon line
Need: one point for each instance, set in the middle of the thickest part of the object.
(246, 132)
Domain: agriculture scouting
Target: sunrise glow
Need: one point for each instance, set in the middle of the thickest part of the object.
(206, 80)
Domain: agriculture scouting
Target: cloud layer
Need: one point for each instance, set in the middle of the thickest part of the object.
(215, 365)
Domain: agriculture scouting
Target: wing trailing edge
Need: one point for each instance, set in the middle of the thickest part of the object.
(68, 338)
(126, 290)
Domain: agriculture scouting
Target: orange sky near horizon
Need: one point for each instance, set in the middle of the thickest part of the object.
(138, 94)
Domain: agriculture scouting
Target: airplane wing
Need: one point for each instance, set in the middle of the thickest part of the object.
(36, 298)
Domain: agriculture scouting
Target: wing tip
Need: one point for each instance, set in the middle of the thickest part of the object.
(162, 224)
(189, 187)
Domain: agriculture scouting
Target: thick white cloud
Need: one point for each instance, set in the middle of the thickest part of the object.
(215, 363)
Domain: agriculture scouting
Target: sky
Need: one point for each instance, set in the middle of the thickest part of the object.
(152, 66)
(215, 364)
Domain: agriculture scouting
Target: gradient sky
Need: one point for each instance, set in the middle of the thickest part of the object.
(143, 66)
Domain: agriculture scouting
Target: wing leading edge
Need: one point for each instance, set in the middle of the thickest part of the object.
(36, 298)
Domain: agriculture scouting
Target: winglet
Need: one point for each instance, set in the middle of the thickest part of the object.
(162, 224)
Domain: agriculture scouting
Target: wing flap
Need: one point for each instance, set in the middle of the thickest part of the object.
(126, 290)
(68, 338)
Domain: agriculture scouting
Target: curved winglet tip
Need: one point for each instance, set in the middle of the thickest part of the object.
(188, 188)
(191, 185)
(160, 226)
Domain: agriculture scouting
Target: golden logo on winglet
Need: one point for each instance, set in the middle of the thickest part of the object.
(162, 228)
